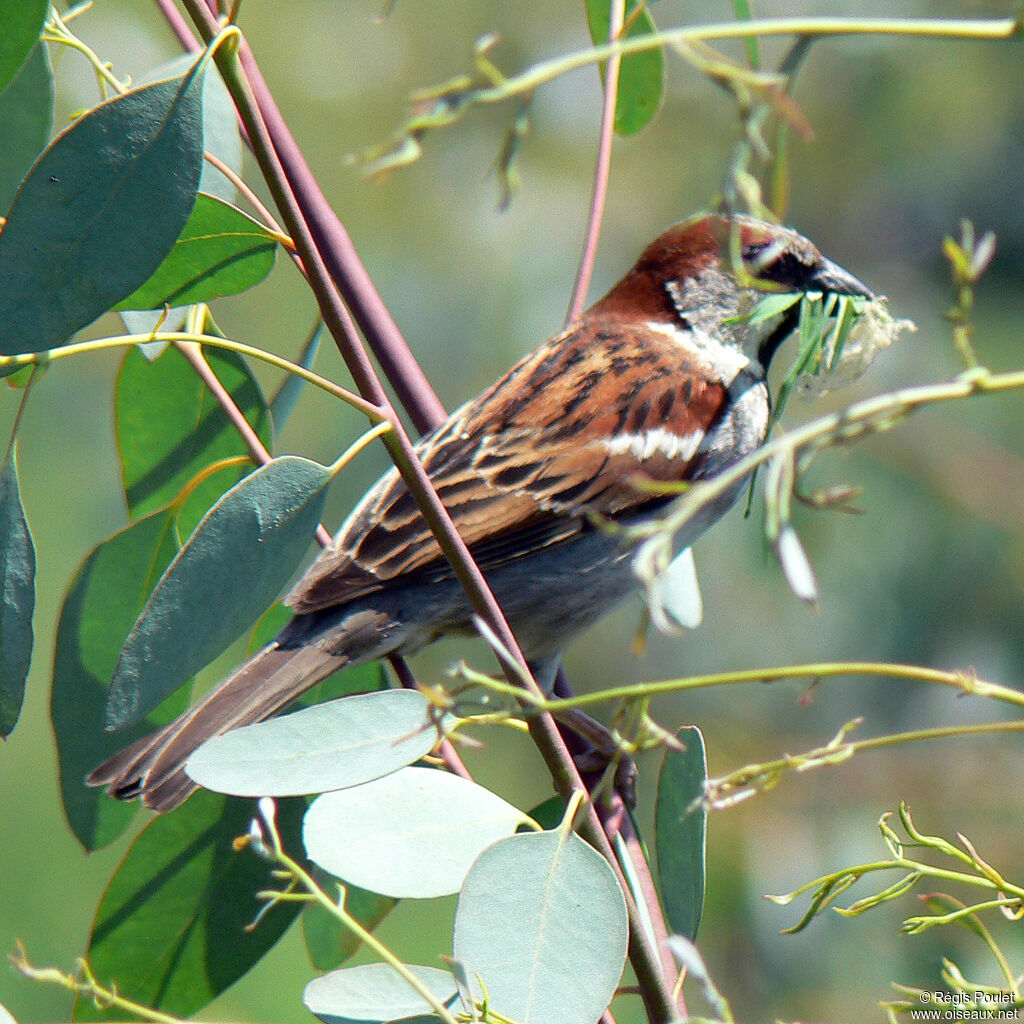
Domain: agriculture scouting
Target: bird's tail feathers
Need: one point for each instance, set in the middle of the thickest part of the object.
(152, 768)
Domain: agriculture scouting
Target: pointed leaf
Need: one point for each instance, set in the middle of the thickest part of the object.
(17, 596)
(170, 929)
(343, 743)
(641, 75)
(99, 211)
(220, 126)
(22, 22)
(105, 598)
(680, 822)
(413, 833)
(284, 401)
(170, 427)
(26, 120)
(221, 251)
(375, 992)
(229, 571)
(542, 922)
(328, 942)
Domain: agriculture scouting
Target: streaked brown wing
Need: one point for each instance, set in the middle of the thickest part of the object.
(566, 431)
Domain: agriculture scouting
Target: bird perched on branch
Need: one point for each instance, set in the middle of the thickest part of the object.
(661, 380)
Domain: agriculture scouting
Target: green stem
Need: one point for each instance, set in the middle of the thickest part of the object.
(337, 910)
(934, 28)
(371, 411)
(961, 681)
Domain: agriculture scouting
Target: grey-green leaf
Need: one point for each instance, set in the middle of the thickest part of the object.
(375, 992)
(220, 127)
(542, 922)
(283, 402)
(229, 571)
(99, 211)
(413, 833)
(343, 743)
(26, 120)
(17, 596)
(680, 822)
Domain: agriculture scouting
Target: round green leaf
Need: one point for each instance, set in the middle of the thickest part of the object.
(170, 427)
(221, 251)
(17, 596)
(680, 823)
(99, 211)
(22, 22)
(542, 922)
(413, 833)
(26, 120)
(342, 743)
(375, 992)
(229, 571)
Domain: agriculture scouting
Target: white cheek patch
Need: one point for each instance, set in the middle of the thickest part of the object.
(724, 361)
(657, 441)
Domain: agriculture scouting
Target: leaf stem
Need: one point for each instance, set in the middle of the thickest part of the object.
(371, 411)
(932, 28)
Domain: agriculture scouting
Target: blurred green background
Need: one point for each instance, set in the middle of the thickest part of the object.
(909, 136)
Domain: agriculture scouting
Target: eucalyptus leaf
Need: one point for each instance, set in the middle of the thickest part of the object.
(284, 401)
(542, 923)
(104, 599)
(22, 22)
(221, 251)
(328, 942)
(26, 120)
(680, 823)
(99, 211)
(17, 596)
(343, 743)
(171, 929)
(229, 571)
(170, 428)
(221, 132)
(413, 833)
(641, 75)
(375, 992)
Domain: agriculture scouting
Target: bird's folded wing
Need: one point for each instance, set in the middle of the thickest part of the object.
(574, 429)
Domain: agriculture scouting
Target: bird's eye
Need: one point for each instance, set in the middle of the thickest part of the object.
(761, 258)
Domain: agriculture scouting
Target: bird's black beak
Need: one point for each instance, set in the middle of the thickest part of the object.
(829, 277)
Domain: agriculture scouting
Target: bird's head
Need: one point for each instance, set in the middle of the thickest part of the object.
(707, 273)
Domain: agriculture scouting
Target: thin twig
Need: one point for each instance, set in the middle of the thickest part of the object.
(599, 193)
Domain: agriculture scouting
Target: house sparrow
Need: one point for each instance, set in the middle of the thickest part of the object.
(660, 380)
